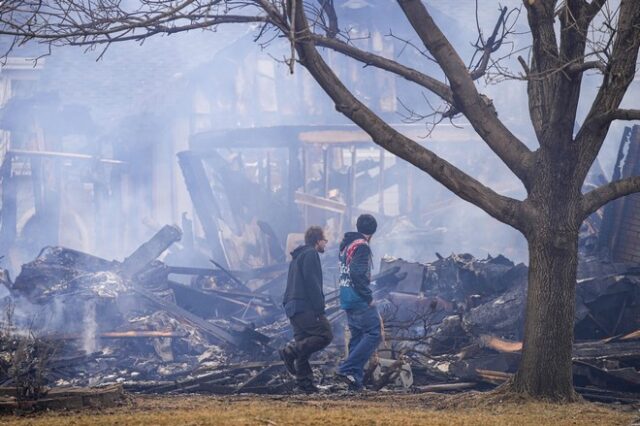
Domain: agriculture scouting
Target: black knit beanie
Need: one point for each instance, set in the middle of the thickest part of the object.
(366, 224)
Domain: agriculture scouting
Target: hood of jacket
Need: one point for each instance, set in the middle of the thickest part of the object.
(299, 250)
(350, 237)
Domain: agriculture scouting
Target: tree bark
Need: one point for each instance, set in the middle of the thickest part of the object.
(545, 370)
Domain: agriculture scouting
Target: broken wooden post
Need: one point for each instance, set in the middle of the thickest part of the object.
(150, 250)
(204, 202)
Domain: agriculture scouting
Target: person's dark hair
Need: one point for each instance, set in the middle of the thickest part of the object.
(313, 235)
(366, 224)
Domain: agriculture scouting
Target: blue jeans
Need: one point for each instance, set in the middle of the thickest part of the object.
(364, 325)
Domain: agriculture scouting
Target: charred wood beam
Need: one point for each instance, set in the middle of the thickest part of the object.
(247, 275)
(620, 347)
(599, 324)
(206, 304)
(247, 331)
(222, 303)
(608, 379)
(263, 271)
(61, 399)
(602, 395)
(203, 201)
(187, 270)
(72, 361)
(188, 383)
(131, 334)
(240, 294)
(66, 155)
(493, 377)
(271, 284)
(150, 250)
(630, 336)
(591, 393)
(320, 203)
(232, 186)
(447, 387)
(629, 349)
(228, 273)
(254, 379)
(365, 183)
(500, 345)
(212, 330)
(276, 250)
(222, 372)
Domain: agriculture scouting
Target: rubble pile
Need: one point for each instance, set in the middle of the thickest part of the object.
(461, 320)
(455, 323)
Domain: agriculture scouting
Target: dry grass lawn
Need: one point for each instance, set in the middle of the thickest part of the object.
(377, 409)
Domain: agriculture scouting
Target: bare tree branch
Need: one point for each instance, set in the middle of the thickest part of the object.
(524, 65)
(492, 44)
(330, 11)
(620, 73)
(597, 198)
(574, 24)
(482, 117)
(502, 208)
(544, 57)
(622, 114)
(594, 8)
(585, 66)
(229, 19)
(103, 21)
(430, 83)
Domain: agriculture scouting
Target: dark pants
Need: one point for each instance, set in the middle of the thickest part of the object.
(364, 325)
(312, 332)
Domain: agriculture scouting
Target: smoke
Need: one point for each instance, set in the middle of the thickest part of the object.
(141, 104)
(90, 327)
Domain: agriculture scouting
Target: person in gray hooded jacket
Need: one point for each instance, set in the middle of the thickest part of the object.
(304, 305)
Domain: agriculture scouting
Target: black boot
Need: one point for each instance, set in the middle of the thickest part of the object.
(288, 356)
(306, 386)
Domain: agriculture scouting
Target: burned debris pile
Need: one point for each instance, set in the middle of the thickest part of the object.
(108, 322)
(461, 320)
(73, 319)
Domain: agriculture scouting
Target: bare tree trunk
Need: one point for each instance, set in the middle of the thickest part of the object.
(545, 370)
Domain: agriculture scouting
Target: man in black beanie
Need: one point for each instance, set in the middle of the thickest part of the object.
(357, 301)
